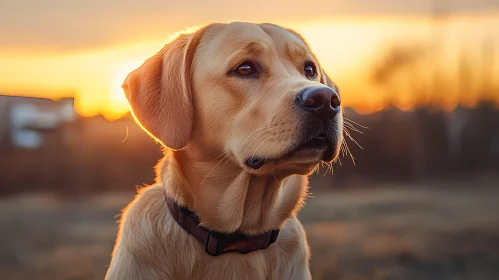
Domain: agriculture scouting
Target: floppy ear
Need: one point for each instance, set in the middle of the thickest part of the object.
(159, 92)
(328, 82)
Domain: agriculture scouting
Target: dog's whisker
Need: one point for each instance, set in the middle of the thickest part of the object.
(345, 151)
(321, 166)
(227, 161)
(348, 126)
(251, 134)
(327, 169)
(353, 122)
(342, 148)
(252, 141)
(223, 153)
(352, 128)
(347, 133)
(209, 173)
(256, 137)
(350, 153)
(263, 141)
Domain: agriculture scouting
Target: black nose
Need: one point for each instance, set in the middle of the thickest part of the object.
(323, 102)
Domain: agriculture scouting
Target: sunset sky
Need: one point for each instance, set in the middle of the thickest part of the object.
(59, 48)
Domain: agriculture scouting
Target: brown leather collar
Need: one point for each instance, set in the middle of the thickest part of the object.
(217, 243)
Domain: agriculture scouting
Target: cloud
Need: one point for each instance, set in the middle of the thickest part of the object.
(61, 25)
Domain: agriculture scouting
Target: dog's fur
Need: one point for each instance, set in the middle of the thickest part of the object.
(188, 98)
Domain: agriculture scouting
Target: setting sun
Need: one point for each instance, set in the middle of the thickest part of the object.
(119, 103)
(348, 50)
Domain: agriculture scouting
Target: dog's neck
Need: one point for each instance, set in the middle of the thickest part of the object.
(226, 198)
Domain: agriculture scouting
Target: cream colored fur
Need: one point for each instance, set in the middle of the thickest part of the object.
(211, 122)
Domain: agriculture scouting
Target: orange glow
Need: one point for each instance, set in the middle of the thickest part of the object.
(119, 104)
(347, 49)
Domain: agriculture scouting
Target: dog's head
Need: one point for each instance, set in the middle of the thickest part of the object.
(253, 91)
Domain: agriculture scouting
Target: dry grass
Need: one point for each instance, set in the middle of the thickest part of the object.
(389, 233)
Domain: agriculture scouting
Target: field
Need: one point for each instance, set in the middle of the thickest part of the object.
(393, 232)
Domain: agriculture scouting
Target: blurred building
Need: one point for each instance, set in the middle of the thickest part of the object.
(46, 146)
(23, 120)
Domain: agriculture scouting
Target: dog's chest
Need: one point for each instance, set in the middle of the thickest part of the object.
(255, 265)
(233, 267)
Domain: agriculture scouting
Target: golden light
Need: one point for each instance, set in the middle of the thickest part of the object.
(345, 47)
(118, 102)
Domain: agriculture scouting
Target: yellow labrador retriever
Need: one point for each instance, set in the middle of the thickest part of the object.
(246, 113)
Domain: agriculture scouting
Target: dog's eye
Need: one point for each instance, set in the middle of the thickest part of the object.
(310, 71)
(246, 68)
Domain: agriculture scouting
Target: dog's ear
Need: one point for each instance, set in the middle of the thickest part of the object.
(325, 79)
(159, 92)
(328, 82)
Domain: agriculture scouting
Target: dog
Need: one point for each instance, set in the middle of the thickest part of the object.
(246, 113)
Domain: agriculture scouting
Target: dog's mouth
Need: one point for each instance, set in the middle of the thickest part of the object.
(313, 147)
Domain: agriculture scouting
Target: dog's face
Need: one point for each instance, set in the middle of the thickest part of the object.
(253, 92)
